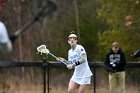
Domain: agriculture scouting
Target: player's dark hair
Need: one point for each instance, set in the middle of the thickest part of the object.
(72, 32)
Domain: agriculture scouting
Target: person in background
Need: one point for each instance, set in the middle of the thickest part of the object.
(115, 65)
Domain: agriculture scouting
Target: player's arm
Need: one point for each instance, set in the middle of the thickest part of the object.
(80, 61)
(107, 62)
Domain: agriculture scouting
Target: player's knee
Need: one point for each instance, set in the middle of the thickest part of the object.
(81, 91)
(70, 90)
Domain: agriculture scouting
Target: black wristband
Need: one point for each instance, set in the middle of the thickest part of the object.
(77, 63)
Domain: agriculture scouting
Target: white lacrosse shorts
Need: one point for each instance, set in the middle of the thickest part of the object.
(85, 80)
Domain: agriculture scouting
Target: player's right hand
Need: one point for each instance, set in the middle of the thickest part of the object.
(70, 66)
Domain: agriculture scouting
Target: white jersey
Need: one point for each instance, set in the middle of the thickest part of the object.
(3, 33)
(82, 70)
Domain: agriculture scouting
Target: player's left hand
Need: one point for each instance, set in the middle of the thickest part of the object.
(60, 59)
(70, 66)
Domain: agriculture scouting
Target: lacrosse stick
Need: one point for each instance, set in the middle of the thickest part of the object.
(46, 9)
(136, 54)
(43, 50)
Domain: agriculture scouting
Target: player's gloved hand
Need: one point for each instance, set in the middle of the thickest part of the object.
(70, 66)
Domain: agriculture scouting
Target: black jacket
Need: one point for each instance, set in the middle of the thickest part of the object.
(115, 62)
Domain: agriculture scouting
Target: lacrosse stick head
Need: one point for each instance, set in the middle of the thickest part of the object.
(42, 49)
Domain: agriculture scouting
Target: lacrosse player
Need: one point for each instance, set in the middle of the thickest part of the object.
(115, 64)
(5, 42)
(78, 58)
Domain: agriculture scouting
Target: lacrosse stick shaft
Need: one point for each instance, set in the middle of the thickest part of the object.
(43, 11)
(57, 58)
(53, 55)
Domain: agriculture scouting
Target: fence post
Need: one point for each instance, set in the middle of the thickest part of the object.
(48, 78)
(94, 78)
(44, 74)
